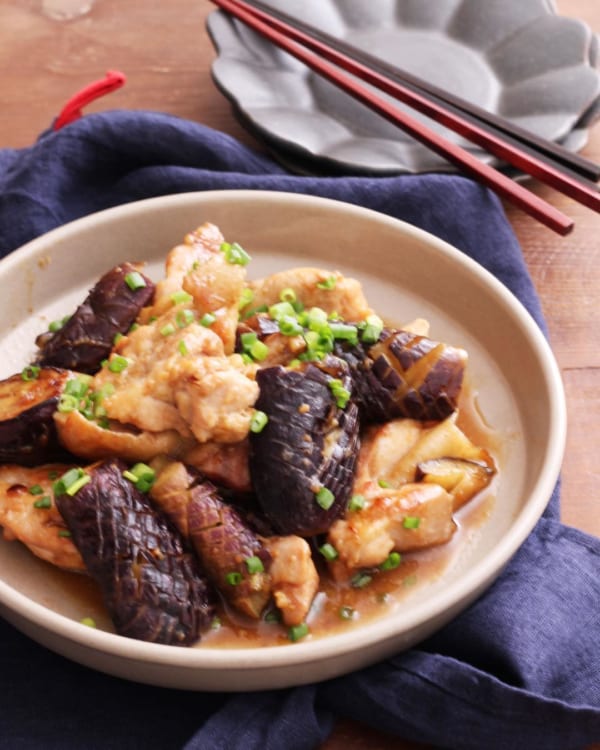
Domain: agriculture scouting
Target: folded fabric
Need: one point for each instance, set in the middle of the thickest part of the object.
(519, 669)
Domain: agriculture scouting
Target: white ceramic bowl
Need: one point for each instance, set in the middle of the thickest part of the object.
(406, 273)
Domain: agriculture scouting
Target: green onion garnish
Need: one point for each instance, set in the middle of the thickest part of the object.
(71, 482)
(297, 632)
(135, 280)
(341, 394)
(246, 297)
(329, 552)
(180, 296)
(184, 318)
(346, 613)
(357, 502)
(383, 484)
(234, 578)
(344, 332)
(287, 295)
(64, 533)
(411, 522)
(31, 372)
(207, 320)
(167, 330)
(43, 502)
(325, 498)
(258, 421)
(182, 346)
(282, 310)
(391, 561)
(360, 580)
(118, 363)
(36, 489)
(116, 338)
(328, 283)
(141, 475)
(289, 326)
(372, 330)
(254, 565)
(235, 254)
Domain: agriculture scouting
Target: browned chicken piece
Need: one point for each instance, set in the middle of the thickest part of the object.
(409, 518)
(223, 463)
(294, 578)
(198, 266)
(406, 450)
(28, 513)
(87, 439)
(315, 287)
(178, 379)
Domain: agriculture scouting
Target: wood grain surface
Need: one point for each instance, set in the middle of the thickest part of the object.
(165, 52)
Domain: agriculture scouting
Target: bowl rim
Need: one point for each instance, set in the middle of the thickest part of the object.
(379, 629)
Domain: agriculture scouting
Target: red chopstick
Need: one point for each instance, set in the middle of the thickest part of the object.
(277, 32)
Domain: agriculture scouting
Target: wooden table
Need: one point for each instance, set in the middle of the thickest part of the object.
(165, 52)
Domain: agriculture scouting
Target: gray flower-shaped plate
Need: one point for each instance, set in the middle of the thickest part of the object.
(516, 58)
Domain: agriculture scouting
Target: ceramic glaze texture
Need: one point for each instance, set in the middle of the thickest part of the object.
(516, 59)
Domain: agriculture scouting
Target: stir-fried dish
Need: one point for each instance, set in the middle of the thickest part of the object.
(217, 450)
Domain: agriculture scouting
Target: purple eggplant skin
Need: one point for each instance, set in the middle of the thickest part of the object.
(307, 448)
(405, 375)
(221, 537)
(27, 405)
(87, 337)
(152, 586)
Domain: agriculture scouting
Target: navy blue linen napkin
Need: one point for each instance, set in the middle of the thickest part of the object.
(519, 669)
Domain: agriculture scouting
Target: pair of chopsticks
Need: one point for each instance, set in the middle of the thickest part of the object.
(544, 160)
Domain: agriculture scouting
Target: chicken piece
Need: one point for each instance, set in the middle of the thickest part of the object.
(87, 439)
(198, 266)
(412, 517)
(178, 379)
(223, 463)
(314, 287)
(28, 513)
(294, 577)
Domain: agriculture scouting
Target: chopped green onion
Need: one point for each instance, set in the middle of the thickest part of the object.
(70, 482)
(43, 502)
(287, 295)
(360, 580)
(116, 338)
(289, 326)
(411, 522)
(391, 561)
(281, 310)
(118, 363)
(328, 283)
(135, 280)
(235, 254)
(133, 327)
(297, 632)
(341, 394)
(372, 330)
(56, 325)
(254, 564)
(184, 318)
(77, 387)
(67, 403)
(31, 372)
(234, 578)
(383, 484)
(325, 498)
(346, 613)
(64, 533)
(167, 330)
(36, 489)
(258, 421)
(344, 332)
(141, 475)
(329, 552)
(182, 346)
(180, 296)
(316, 318)
(207, 320)
(272, 615)
(246, 297)
(357, 502)
(89, 621)
(259, 351)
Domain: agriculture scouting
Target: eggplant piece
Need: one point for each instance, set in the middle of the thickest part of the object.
(28, 401)
(153, 588)
(405, 375)
(234, 558)
(460, 477)
(302, 462)
(87, 337)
